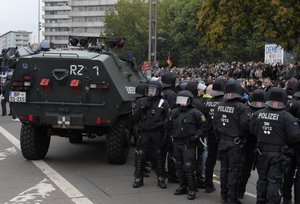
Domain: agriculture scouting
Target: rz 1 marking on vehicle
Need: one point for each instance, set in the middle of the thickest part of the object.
(76, 70)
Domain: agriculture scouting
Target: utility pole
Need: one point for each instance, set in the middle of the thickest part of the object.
(39, 21)
(152, 31)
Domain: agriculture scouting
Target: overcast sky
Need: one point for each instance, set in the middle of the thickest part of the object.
(19, 15)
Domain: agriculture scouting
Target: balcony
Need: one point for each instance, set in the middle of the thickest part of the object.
(48, 16)
(56, 25)
(56, 8)
(85, 34)
(86, 24)
(86, 13)
(47, 1)
(55, 33)
(93, 2)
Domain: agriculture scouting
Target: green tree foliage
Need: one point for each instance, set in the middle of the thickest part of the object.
(177, 34)
(240, 28)
(179, 28)
(130, 20)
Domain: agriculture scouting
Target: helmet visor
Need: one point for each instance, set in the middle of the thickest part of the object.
(182, 100)
(152, 91)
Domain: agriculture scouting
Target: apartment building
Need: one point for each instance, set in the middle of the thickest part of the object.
(73, 17)
(18, 38)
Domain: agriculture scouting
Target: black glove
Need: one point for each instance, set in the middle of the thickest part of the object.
(144, 103)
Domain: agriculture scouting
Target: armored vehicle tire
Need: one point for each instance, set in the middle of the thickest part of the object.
(35, 141)
(117, 143)
(75, 139)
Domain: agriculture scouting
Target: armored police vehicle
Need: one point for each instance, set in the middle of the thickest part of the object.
(74, 94)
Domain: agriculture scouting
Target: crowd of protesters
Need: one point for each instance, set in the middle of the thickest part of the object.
(278, 73)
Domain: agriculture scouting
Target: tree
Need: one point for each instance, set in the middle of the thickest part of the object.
(179, 27)
(130, 20)
(240, 28)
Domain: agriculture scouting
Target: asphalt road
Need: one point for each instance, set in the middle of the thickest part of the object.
(80, 173)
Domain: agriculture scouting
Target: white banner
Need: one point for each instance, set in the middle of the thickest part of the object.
(273, 54)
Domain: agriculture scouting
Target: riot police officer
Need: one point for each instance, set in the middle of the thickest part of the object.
(150, 114)
(197, 89)
(274, 128)
(212, 143)
(294, 109)
(168, 93)
(297, 180)
(231, 122)
(257, 102)
(168, 88)
(186, 123)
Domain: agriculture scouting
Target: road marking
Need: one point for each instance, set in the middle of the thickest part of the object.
(73, 193)
(34, 194)
(7, 152)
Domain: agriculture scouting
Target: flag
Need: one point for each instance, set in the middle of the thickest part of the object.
(169, 60)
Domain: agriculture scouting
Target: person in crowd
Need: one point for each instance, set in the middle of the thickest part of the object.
(217, 91)
(256, 102)
(186, 123)
(231, 123)
(275, 129)
(150, 114)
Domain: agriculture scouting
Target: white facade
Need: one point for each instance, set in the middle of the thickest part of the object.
(19, 38)
(73, 17)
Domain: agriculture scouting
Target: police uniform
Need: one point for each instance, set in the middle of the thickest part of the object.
(297, 181)
(169, 94)
(257, 102)
(199, 104)
(274, 128)
(231, 122)
(186, 123)
(212, 143)
(150, 114)
(289, 180)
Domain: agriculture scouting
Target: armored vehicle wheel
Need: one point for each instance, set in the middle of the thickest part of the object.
(75, 139)
(117, 143)
(35, 141)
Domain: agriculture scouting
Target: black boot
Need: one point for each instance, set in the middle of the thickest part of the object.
(138, 182)
(139, 167)
(161, 182)
(191, 185)
(200, 182)
(210, 189)
(224, 197)
(191, 194)
(180, 190)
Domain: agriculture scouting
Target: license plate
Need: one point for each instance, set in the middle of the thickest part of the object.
(17, 96)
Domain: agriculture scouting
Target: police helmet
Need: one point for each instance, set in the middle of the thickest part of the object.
(140, 89)
(182, 85)
(169, 79)
(184, 98)
(258, 99)
(218, 86)
(276, 98)
(192, 86)
(297, 89)
(153, 88)
(233, 90)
